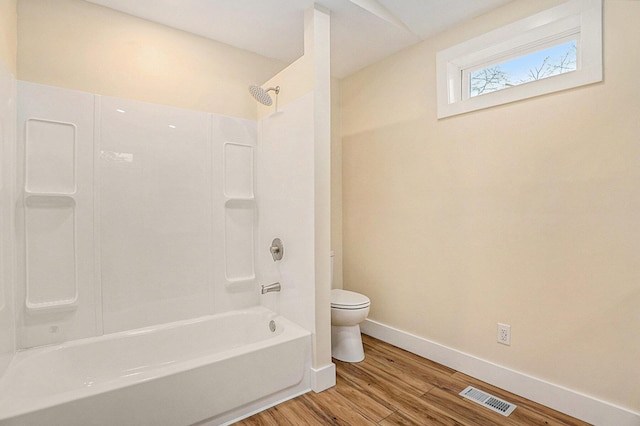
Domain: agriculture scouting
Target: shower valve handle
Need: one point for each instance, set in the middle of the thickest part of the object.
(277, 249)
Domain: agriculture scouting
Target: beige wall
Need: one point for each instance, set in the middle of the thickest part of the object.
(8, 34)
(526, 213)
(82, 46)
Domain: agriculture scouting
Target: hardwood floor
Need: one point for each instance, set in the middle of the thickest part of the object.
(395, 387)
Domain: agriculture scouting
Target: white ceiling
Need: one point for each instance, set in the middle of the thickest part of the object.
(362, 31)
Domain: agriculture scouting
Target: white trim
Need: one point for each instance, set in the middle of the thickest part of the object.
(323, 378)
(582, 18)
(575, 404)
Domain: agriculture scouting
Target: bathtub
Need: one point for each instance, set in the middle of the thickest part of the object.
(207, 370)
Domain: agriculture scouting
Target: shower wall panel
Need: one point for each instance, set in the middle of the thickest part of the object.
(7, 202)
(130, 214)
(56, 295)
(155, 213)
(287, 185)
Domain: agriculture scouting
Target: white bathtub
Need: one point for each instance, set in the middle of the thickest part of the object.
(203, 370)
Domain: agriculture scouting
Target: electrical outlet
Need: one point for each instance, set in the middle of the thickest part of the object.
(504, 334)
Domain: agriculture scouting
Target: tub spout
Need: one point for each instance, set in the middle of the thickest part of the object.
(271, 287)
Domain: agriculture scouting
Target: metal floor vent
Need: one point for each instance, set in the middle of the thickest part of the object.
(496, 404)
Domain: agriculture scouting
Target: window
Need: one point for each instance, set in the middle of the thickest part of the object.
(548, 62)
(556, 49)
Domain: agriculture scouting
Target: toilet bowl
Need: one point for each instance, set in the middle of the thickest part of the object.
(348, 310)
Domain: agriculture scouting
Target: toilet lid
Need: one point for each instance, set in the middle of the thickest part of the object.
(344, 299)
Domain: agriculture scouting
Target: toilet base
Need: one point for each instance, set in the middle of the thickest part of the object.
(346, 343)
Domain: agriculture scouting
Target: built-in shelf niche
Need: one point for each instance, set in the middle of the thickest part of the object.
(50, 153)
(50, 215)
(238, 170)
(50, 242)
(239, 240)
(240, 210)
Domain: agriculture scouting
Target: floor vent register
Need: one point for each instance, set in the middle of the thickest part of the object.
(496, 404)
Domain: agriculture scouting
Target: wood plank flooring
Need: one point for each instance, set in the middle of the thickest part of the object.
(395, 387)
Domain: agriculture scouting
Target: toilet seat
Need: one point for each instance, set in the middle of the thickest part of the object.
(349, 300)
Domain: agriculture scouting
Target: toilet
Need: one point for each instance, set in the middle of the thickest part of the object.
(348, 310)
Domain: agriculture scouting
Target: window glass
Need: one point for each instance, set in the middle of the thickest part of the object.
(544, 63)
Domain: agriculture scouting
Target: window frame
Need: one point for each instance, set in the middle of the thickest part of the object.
(579, 20)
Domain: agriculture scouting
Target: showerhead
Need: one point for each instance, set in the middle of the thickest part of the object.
(262, 95)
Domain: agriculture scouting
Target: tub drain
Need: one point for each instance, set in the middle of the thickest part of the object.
(272, 325)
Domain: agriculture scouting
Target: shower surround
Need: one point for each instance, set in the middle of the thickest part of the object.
(170, 235)
(137, 219)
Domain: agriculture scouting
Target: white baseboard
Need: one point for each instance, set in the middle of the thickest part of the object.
(323, 378)
(559, 398)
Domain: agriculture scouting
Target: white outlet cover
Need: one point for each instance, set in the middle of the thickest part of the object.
(504, 334)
